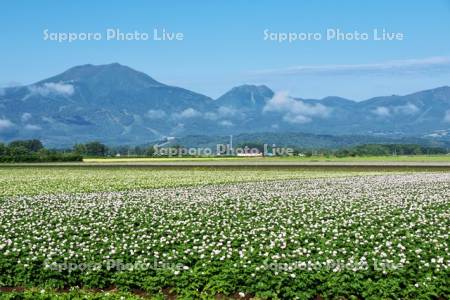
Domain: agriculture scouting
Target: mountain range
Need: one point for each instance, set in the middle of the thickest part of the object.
(118, 105)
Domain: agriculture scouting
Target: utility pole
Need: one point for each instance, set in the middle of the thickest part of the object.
(231, 144)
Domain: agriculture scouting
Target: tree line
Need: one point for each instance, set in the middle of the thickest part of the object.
(34, 151)
(360, 150)
(390, 149)
(97, 149)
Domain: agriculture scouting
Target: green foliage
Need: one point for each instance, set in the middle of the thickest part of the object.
(374, 150)
(368, 237)
(30, 145)
(33, 151)
(15, 181)
(389, 149)
(46, 294)
(94, 148)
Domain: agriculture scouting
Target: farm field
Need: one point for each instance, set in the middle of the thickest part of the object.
(52, 180)
(399, 158)
(205, 233)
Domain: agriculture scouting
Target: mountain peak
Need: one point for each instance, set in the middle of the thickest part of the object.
(245, 95)
(336, 101)
(248, 88)
(112, 75)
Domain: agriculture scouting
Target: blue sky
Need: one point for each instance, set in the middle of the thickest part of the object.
(224, 44)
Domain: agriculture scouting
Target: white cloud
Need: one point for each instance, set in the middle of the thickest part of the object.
(211, 116)
(48, 119)
(187, 113)
(48, 88)
(407, 109)
(226, 123)
(32, 127)
(439, 63)
(220, 113)
(297, 119)
(295, 111)
(223, 112)
(382, 111)
(156, 114)
(25, 117)
(447, 116)
(5, 124)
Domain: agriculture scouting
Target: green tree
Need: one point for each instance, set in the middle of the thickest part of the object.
(96, 149)
(32, 145)
(19, 151)
(3, 149)
(80, 149)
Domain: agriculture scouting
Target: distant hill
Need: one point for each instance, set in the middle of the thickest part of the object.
(118, 105)
(300, 140)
